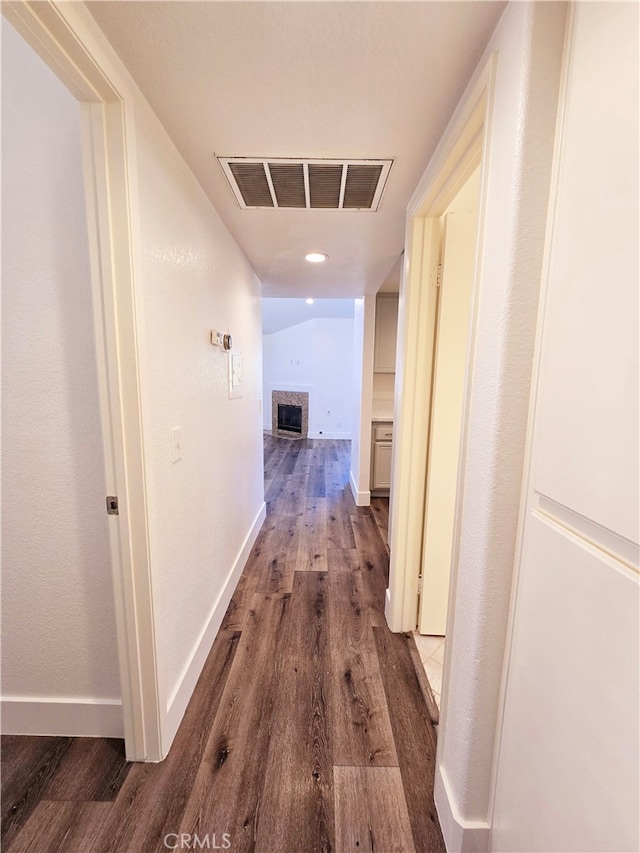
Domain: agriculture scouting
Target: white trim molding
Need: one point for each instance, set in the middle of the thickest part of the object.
(361, 498)
(62, 717)
(460, 836)
(462, 148)
(182, 692)
(335, 435)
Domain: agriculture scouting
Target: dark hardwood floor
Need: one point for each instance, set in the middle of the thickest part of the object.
(307, 730)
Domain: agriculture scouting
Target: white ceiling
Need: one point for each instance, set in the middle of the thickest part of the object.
(279, 313)
(311, 80)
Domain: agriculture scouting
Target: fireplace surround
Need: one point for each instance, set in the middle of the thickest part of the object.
(288, 399)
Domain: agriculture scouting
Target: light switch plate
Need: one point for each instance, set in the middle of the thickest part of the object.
(235, 376)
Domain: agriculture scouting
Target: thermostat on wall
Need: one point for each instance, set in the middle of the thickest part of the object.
(220, 339)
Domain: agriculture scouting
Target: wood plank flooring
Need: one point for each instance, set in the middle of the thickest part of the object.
(307, 730)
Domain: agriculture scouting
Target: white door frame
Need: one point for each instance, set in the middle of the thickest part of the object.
(442, 483)
(462, 148)
(62, 39)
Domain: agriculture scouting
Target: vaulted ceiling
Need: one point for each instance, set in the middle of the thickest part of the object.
(309, 80)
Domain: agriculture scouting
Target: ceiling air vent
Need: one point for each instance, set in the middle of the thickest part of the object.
(252, 183)
(306, 184)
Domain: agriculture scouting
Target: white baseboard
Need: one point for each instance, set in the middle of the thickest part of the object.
(387, 607)
(326, 434)
(361, 498)
(460, 836)
(342, 436)
(179, 699)
(62, 717)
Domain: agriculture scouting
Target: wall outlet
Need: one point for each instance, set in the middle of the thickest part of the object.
(176, 444)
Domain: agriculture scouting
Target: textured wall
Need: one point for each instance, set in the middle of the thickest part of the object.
(202, 507)
(58, 630)
(318, 354)
(528, 42)
(575, 742)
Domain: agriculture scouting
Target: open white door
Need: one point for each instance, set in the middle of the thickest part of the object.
(451, 356)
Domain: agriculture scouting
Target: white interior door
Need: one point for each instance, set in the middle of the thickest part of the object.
(452, 336)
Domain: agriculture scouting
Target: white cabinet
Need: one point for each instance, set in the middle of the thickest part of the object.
(384, 354)
(381, 457)
(381, 465)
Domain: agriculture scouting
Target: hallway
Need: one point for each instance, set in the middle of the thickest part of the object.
(307, 730)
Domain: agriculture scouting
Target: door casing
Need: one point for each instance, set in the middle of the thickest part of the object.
(460, 227)
(464, 148)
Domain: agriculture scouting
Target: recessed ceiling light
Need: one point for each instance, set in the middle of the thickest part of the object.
(316, 257)
(309, 301)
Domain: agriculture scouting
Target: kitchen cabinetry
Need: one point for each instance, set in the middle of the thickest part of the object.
(384, 353)
(381, 448)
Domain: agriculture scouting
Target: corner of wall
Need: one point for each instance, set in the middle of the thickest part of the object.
(460, 836)
(362, 498)
(364, 331)
(522, 119)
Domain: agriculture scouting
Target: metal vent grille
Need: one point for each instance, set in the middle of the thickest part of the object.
(252, 183)
(287, 180)
(306, 184)
(361, 186)
(324, 186)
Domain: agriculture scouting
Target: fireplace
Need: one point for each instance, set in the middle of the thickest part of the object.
(290, 418)
(290, 413)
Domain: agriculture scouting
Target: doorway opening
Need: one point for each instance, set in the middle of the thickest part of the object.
(57, 560)
(456, 267)
(307, 381)
(59, 37)
(428, 322)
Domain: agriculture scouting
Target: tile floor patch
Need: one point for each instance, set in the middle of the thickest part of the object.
(431, 651)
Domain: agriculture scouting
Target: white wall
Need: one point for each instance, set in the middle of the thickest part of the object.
(205, 510)
(280, 313)
(204, 507)
(568, 773)
(384, 387)
(314, 356)
(528, 42)
(58, 629)
(362, 399)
